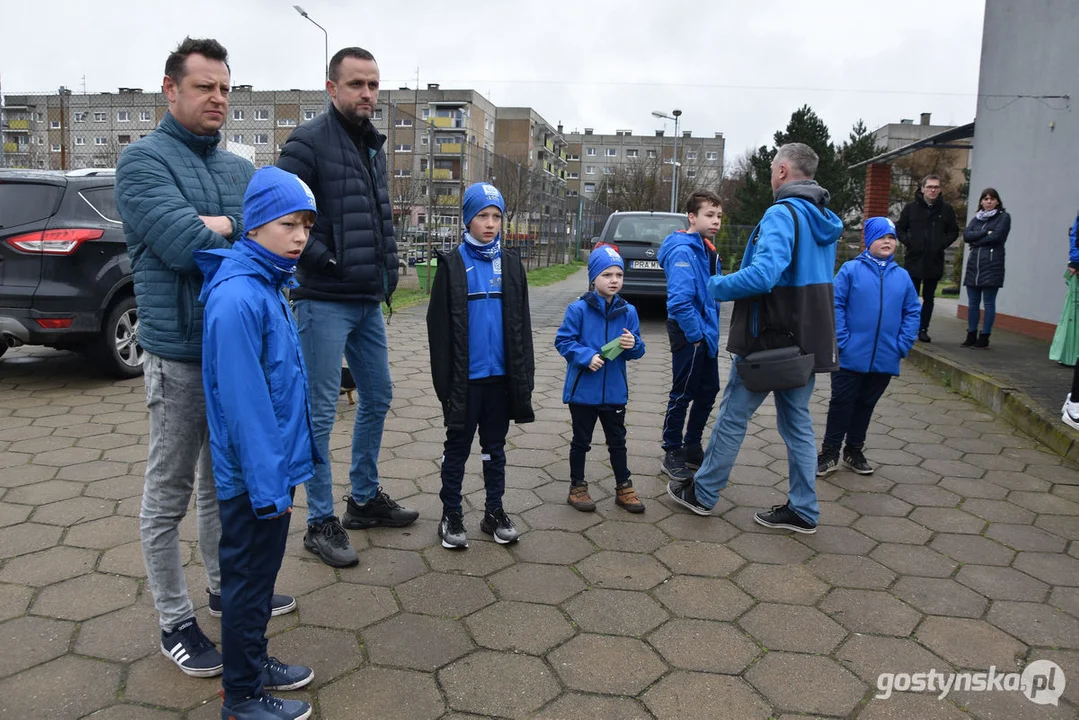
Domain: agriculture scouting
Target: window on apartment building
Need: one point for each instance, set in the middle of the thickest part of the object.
(123, 139)
(571, 193)
(54, 125)
(590, 152)
(237, 114)
(145, 116)
(310, 114)
(402, 173)
(691, 173)
(101, 141)
(41, 163)
(651, 154)
(691, 155)
(262, 114)
(589, 187)
(262, 139)
(80, 117)
(402, 147)
(607, 170)
(100, 117)
(238, 138)
(80, 140)
(40, 117)
(711, 155)
(633, 152)
(56, 148)
(612, 152)
(286, 122)
(426, 113)
(403, 122)
(589, 169)
(377, 115)
(573, 158)
(424, 140)
(573, 175)
(123, 116)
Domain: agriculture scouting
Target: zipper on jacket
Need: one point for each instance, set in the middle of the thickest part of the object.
(978, 268)
(603, 391)
(880, 316)
(576, 382)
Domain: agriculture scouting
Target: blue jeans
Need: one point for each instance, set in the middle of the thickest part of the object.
(795, 427)
(977, 296)
(357, 331)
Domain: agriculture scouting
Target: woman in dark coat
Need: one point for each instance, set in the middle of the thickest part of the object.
(985, 236)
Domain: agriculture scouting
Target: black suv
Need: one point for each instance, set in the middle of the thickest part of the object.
(65, 277)
(637, 236)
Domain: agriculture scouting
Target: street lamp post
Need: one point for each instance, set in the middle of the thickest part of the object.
(675, 114)
(325, 36)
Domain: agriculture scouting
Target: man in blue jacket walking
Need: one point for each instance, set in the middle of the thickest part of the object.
(790, 266)
(178, 193)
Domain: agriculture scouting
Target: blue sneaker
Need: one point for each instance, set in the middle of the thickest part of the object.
(276, 675)
(191, 650)
(279, 604)
(266, 707)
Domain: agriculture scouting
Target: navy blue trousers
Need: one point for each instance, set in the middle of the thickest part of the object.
(613, 420)
(488, 408)
(854, 395)
(696, 381)
(251, 551)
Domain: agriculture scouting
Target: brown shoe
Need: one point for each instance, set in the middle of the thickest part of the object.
(627, 498)
(580, 499)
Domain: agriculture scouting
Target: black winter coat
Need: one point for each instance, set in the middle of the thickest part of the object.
(354, 227)
(447, 335)
(925, 232)
(985, 252)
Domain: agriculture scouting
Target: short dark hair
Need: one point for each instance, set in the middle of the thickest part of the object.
(931, 176)
(702, 197)
(209, 48)
(356, 53)
(991, 192)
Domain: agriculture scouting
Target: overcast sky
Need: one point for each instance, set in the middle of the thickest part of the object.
(735, 67)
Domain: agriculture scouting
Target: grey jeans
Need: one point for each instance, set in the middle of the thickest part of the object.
(179, 443)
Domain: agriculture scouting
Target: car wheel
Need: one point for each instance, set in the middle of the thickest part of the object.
(118, 351)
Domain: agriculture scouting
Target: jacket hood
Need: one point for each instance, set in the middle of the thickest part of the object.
(804, 189)
(825, 225)
(216, 271)
(201, 144)
(678, 239)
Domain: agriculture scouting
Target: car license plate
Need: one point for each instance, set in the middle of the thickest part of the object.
(644, 265)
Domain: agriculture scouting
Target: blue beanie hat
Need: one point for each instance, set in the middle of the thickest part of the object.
(877, 227)
(274, 193)
(603, 257)
(479, 196)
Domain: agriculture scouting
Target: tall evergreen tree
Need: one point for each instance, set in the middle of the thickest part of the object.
(849, 201)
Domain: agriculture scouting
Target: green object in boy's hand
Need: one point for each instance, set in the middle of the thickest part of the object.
(611, 350)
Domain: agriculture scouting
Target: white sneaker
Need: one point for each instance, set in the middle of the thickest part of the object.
(1070, 413)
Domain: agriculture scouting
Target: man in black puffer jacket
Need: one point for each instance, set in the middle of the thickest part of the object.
(926, 228)
(347, 270)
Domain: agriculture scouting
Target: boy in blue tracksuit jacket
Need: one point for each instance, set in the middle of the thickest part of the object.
(689, 259)
(596, 384)
(877, 316)
(261, 439)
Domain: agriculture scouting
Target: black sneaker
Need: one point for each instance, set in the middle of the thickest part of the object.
(855, 460)
(498, 524)
(266, 707)
(827, 463)
(452, 531)
(330, 542)
(279, 604)
(923, 336)
(191, 650)
(782, 517)
(694, 456)
(379, 511)
(276, 675)
(674, 465)
(682, 492)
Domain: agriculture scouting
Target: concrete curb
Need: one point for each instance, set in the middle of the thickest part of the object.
(1010, 404)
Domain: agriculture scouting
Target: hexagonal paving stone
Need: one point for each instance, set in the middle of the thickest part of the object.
(330, 653)
(627, 537)
(529, 582)
(877, 504)
(806, 683)
(121, 636)
(490, 683)
(595, 707)
(482, 558)
(1025, 537)
(1054, 569)
(893, 530)
(692, 557)
(972, 549)
(837, 540)
(704, 645)
(104, 533)
(347, 606)
(68, 687)
(32, 641)
(914, 560)
(848, 571)
(868, 656)
(791, 584)
(48, 566)
(74, 511)
(701, 696)
(998, 583)
(948, 520)
(375, 693)
(446, 595)
(770, 548)
(687, 526)
(384, 566)
(554, 547)
(608, 665)
(128, 559)
(969, 643)
(616, 612)
(623, 571)
(85, 597)
(417, 642)
(792, 627)
(939, 596)
(705, 598)
(27, 538)
(154, 680)
(519, 627)
(1066, 599)
(902, 706)
(870, 611)
(998, 511)
(559, 517)
(1035, 624)
(14, 600)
